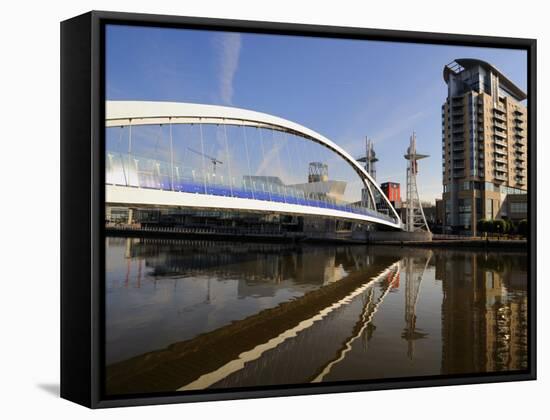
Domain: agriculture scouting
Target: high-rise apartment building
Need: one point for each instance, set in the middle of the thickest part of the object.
(484, 143)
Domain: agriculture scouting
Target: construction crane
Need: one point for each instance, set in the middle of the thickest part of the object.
(212, 159)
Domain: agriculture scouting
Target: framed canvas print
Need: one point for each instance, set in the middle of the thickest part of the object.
(255, 209)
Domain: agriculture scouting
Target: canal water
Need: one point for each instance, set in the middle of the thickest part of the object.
(197, 314)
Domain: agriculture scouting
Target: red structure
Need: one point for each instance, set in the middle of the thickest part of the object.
(392, 190)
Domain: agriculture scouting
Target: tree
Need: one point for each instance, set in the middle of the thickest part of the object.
(490, 226)
(512, 228)
(482, 225)
(523, 228)
(499, 226)
(506, 226)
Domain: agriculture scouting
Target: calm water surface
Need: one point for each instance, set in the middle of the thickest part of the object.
(191, 314)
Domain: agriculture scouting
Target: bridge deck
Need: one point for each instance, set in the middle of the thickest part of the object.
(214, 197)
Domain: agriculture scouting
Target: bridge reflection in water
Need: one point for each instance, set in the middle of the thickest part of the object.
(186, 315)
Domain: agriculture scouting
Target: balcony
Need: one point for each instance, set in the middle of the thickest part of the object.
(498, 124)
(500, 159)
(500, 176)
(499, 117)
(458, 173)
(500, 134)
(457, 113)
(500, 142)
(500, 152)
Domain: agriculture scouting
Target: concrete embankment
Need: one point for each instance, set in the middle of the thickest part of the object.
(419, 239)
(237, 236)
(463, 243)
(427, 239)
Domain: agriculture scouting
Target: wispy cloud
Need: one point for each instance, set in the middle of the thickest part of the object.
(394, 127)
(401, 126)
(397, 121)
(229, 50)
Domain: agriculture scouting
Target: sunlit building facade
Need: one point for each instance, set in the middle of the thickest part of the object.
(484, 143)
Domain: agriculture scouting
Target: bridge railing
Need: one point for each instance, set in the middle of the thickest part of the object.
(141, 172)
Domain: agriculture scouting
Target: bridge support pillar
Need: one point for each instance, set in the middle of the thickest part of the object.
(130, 215)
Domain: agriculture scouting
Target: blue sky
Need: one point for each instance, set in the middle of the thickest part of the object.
(343, 89)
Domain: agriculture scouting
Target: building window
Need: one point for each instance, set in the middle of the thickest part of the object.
(447, 212)
(465, 219)
(489, 186)
(465, 212)
(464, 205)
(518, 207)
(489, 209)
(479, 210)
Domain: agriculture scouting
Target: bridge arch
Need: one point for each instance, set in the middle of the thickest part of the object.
(133, 114)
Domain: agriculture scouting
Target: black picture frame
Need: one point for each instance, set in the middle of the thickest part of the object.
(83, 196)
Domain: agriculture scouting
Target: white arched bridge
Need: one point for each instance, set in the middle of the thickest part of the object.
(183, 155)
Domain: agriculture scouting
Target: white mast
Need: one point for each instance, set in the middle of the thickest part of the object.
(415, 220)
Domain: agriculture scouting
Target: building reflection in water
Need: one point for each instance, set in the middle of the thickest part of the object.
(484, 311)
(270, 314)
